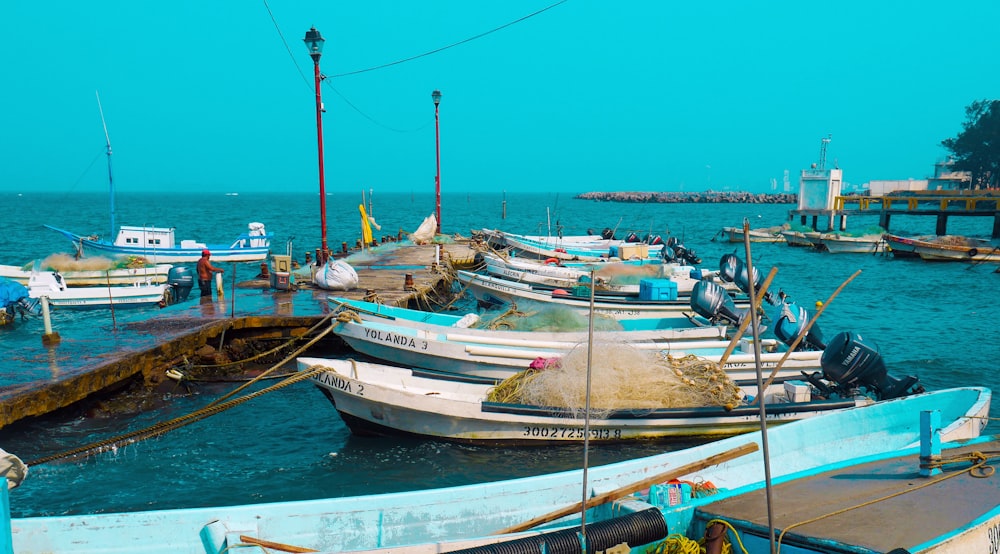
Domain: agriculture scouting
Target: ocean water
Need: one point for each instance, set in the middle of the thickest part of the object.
(936, 321)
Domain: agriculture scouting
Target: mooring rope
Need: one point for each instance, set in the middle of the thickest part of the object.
(285, 344)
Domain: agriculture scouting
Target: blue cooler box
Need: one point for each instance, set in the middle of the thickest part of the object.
(657, 289)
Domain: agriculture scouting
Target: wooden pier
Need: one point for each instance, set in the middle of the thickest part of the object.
(940, 204)
(66, 373)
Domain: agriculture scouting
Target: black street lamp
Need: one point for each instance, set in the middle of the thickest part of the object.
(314, 41)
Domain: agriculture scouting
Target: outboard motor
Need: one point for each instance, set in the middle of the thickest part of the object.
(789, 324)
(729, 266)
(607, 234)
(631, 237)
(852, 363)
(181, 281)
(653, 239)
(668, 254)
(712, 302)
(672, 242)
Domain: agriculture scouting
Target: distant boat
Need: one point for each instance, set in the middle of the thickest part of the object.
(766, 234)
(839, 243)
(82, 278)
(157, 244)
(944, 248)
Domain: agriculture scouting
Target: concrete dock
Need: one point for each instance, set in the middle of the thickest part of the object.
(93, 360)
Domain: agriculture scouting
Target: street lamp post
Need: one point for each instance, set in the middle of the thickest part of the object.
(314, 41)
(436, 96)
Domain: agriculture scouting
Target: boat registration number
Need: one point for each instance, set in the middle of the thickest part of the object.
(569, 433)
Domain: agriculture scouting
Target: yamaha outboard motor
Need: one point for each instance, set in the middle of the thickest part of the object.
(789, 323)
(712, 302)
(181, 282)
(607, 234)
(852, 363)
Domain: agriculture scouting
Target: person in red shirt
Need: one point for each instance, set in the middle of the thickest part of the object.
(205, 271)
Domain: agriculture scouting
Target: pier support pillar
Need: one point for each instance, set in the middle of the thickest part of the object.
(883, 220)
(942, 225)
(843, 223)
(996, 226)
(50, 338)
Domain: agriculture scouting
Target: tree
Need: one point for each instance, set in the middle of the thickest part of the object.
(977, 148)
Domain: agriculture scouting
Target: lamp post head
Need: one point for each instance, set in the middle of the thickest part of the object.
(314, 42)
(436, 96)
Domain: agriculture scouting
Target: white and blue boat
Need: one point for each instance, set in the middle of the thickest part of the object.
(446, 519)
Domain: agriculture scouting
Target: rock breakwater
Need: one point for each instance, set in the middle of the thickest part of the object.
(707, 197)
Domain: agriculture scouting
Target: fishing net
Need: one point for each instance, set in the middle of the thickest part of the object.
(628, 274)
(66, 262)
(873, 230)
(541, 316)
(622, 377)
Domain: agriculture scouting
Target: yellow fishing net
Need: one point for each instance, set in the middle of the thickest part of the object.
(622, 377)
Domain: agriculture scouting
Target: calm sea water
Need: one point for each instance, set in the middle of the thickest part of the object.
(935, 321)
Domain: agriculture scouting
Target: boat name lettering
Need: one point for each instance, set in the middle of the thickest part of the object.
(398, 340)
(560, 433)
(994, 537)
(331, 379)
(616, 311)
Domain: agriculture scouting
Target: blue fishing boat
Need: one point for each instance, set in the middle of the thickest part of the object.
(458, 517)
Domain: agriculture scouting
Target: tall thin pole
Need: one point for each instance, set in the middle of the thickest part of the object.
(111, 184)
(436, 96)
(315, 43)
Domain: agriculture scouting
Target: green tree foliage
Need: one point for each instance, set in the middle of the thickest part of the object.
(977, 148)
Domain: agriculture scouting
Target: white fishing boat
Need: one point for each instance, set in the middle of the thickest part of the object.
(840, 243)
(91, 277)
(451, 518)
(563, 324)
(575, 248)
(158, 244)
(382, 400)
(50, 284)
(763, 234)
(797, 238)
(661, 302)
(501, 354)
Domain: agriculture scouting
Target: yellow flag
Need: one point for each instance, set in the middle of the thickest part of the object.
(366, 227)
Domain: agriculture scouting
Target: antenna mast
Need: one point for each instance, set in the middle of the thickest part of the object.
(111, 185)
(822, 151)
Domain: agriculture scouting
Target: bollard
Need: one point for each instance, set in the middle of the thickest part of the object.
(343, 247)
(264, 271)
(408, 282)
(50, 338)
(308, 258)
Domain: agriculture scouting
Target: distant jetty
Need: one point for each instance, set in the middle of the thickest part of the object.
(707, 197)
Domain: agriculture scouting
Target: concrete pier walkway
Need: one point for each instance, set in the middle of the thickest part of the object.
(92, 358)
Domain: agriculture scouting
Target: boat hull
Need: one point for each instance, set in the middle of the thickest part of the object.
(239, 251)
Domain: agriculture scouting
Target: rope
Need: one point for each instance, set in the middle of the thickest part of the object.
(176, 423)
(677, 543)
(268, 352)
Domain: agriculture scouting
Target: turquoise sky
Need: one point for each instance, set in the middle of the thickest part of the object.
(588, 95)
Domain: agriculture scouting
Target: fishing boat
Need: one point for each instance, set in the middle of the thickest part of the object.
(564, 325)
(763, 234)
(51, 285)
(501, 354)
(610, 277)
(91, 277)
(375, 398)
(450, 518)
(576, 248)
(843, 243)
(946, 248)
(661, 301)
(158, 244)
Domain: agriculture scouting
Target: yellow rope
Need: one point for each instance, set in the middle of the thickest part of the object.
(677, 543)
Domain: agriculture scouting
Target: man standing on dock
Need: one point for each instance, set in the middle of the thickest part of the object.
(205, 272)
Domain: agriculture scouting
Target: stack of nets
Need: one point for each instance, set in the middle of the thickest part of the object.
(541, 316)
(622, 377)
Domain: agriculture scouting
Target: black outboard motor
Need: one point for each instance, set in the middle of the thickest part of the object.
(672, 241)
(632, 237)
(668, 254)
(181, 281)
(852, 363)
(653, 239)
(789, 324)
(711, 301)
(607, 234)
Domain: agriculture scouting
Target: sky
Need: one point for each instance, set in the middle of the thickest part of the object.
(566, 96)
